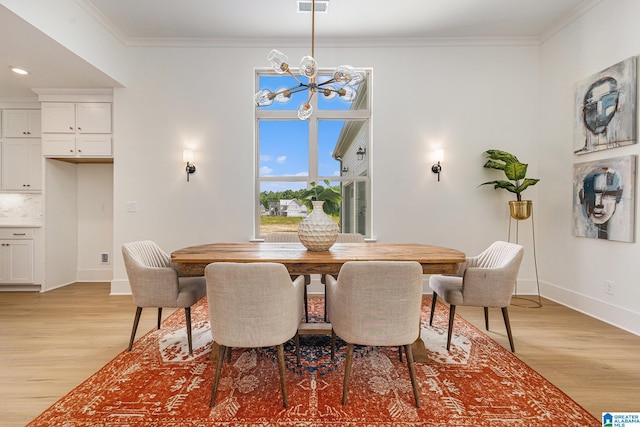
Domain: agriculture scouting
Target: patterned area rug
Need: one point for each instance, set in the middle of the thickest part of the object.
(477, 383)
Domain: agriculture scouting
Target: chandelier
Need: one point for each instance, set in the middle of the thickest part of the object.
(342, 83)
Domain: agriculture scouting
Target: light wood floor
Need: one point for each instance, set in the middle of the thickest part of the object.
(51, 342)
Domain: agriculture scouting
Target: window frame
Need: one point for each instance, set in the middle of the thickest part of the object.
(363, 113)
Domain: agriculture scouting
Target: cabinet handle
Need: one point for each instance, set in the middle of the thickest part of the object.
(70, 127)
(79, 128)
(79, 151)
(71, 151)
(19, 234)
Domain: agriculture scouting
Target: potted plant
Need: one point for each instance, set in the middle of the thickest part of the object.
(318, 231)
(516, 182)
(331, 197)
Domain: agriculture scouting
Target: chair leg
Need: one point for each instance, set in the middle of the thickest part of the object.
(159, 316)
(400, 353)
(333, 344)
(412, 374)
(282, 369)
(486, 318)
(136, 320)
(187, 316)
(216, 379)
(347, 372)
(306, 304)
(296, 339)
(433, 308)
(307, 282)
(452, 315)
(507, 324)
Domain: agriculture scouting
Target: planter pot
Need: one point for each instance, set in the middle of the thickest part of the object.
(520, 210)
(318, 232)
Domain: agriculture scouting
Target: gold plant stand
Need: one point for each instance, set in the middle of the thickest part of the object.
(520, 211)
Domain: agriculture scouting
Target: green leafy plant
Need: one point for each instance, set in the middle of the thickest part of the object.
(330, 195)
(514, 170)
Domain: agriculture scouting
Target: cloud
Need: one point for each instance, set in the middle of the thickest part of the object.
(264, 170)
(265, 158)
(281, 159)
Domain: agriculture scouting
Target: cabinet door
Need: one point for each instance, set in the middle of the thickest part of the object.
(58, 117)
(93, 145)
(21, 123)
(16, 261)
(22, 165)
(58, 145)
(93, 117)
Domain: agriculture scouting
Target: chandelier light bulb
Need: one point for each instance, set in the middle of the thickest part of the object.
(308, 67)
(264, 98)
(279, 61)
(304, 111)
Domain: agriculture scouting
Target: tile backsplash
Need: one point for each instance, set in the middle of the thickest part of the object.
(21, 209)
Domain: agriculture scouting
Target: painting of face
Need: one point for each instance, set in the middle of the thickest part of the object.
(604, 206)
(606, 109)
(601, 192)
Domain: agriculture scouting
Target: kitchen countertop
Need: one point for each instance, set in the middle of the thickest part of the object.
(15, 225)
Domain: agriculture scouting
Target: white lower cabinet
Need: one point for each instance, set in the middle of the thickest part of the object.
(16, 256)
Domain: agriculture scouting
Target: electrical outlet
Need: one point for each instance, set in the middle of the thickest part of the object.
(609, 287)
(104, 258)
(132, 206)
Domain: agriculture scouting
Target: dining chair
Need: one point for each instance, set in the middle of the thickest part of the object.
(486, 280)
(156, 283)
(376, 303)
(291, 237)
(342, 238)
(253, 305)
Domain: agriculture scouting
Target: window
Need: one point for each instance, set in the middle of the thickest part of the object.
(333, 144)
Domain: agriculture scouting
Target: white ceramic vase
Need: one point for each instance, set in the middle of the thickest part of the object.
(318, 232)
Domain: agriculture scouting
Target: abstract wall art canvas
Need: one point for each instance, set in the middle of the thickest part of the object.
(605, 106)
(604, 199)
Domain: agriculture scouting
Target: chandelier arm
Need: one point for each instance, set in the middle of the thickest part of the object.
(299, 88)
(321, 85)
(294, 76)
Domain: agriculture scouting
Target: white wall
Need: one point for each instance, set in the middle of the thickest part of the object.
(574, 268)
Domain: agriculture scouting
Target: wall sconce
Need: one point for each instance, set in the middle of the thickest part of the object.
(361, 152)
(187, 156)
(437, 156)
(345, 169)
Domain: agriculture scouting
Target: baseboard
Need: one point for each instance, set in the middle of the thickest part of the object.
(605, 311)
(20, 288)
(94, 275)
(120, 287)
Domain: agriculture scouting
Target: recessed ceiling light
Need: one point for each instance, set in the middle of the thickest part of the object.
(304, 6)
(18, 70)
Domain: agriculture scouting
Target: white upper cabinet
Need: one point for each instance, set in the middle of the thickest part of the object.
(69, 117)
(75, 130)
(21, 123)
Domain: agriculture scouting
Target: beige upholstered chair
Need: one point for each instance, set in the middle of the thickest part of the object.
(376, 303)
(486, 280)
(253, 305)
(291, 237)
(155, 283)
(342, 238)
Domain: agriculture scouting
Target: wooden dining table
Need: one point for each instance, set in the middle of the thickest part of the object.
(298, 261)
